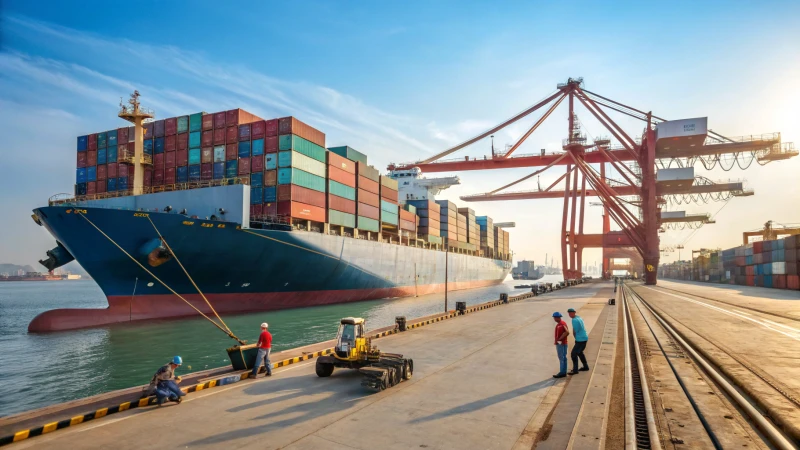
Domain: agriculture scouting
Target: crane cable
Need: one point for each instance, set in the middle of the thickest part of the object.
(189, 276)
(229, 333)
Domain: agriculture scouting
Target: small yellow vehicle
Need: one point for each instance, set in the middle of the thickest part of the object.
(355, 351)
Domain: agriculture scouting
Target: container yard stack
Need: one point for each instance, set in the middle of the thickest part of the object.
(448, 217)
(408, 223)
(429, 229)
(302, 175)
(343, 194)
(267, 130)
(486, 225)
(368, 208)
(461, 226)
(473, 234)
(390, 211)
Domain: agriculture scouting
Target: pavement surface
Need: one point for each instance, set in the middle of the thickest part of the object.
(481, 381)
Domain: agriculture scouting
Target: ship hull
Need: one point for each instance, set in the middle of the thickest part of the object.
(238, 270)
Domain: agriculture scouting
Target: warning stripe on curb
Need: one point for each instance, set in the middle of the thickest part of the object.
(102, 412)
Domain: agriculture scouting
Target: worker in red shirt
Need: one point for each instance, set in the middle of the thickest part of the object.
(264, 347)
(561, 336)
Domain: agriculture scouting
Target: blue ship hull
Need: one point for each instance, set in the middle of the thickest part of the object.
(238, 269)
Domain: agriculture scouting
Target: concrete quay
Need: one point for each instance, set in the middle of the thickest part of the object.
(481, 381)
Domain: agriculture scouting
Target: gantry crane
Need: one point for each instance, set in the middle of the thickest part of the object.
(634, 160)
(770, 232)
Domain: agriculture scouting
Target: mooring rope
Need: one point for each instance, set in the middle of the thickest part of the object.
(230, 334)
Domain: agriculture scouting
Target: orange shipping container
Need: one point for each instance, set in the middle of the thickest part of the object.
(301, 211)
(407, 215)
(368, 198)
(236, 117)
(368, 185)
(389, 194)
(207, 155)
(270, 178)
(340, 176)
(368, 211)
(341, 163)
(290, 125)
(341, 204)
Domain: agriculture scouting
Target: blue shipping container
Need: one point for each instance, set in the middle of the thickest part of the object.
(91, 173)
(219, 170)
(80, 189)
(231, 168)
(111, 138)
(768, 281)
(256, 179)
(122, 183)
(111, 155)
(271, 161)
(194, 173)
(148, 146)
(257, 147)
(101, 156)
(102, 140)
(194, 156)
(244, 149)
(194, 140)
(270, 194)
(256, 195)
(182, 174)
(83, 143)
(159, 145)
(111, 186)
(80, 175)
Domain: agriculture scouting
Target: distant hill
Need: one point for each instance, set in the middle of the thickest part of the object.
(12, 269)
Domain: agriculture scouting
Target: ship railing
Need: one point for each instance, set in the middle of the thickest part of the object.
(67, 199)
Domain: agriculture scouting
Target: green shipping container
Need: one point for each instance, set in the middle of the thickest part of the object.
(350, 153)
(300, 178)
(183, 124)
(341, 190)
(302, 162)
(195, 123)
(410, 208)
(388, 207)
(387, 217)
(341, 218)
(367, 224)
(194, 139)
(300, 145)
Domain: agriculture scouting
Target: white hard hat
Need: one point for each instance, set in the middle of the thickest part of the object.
(265, 325)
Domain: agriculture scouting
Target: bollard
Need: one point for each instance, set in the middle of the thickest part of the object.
(612, 301)
(400, 322)
(504, 297)
(461, 308)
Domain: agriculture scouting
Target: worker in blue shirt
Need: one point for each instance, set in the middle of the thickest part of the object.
(581, 338)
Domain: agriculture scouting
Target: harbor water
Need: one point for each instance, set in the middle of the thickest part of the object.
(37, 370)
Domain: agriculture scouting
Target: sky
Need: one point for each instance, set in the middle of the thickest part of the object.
(401, 81)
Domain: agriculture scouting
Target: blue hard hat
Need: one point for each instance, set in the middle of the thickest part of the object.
(556, 314)
(177, 360)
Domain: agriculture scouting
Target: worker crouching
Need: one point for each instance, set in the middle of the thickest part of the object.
(165, 384)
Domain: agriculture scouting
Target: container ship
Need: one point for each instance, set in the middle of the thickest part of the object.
(228, 210)
(526, 270)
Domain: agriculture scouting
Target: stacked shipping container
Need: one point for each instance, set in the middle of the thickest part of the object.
(428, 212)
(368, 208)
(486, 225)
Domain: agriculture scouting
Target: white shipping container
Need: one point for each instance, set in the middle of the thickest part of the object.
(682, 128)
(779, 268)
(673, 214)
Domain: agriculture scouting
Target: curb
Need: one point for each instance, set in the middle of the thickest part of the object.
(230, 379)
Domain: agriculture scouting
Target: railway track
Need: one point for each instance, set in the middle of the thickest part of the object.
(640, 419)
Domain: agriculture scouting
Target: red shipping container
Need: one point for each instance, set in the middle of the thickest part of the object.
(340, 176)
(82, 159)
(793, 282)
(182, 158)
(169, 158)
(256, 210)
(171, 126)
(112, 170)
(169, 175)
(102, 172)
(270, 209)
(231, 152)
(271, 128)
(158, 160)
(341, 204)
(368, 198)
(182, 141)
(239, 116)
(290, 125)
(257, 129)
(158, 127)
(256, 164)
(244, 166)
(244, 132)
(147, 130)
(158, 177)
(219, 120)
(122, 171)
(388, 194)
(407, 225)
(758, 247)
(170, 143)
(206, 171)
(219, 137)
(207, 138)
(207, 155)
(232, 135)
(301, 211)
(148, 177)
(369, 211)
(208, 122)
(342, 163)
(270, 178)
(92, 144)
(91, 188)
(271, 144)
(293, 192)
(368, 185)
(122, 135)
(91, 158)
(101, 186)
(779, 281)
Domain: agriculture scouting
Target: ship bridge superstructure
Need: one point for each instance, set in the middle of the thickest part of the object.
(412, 185)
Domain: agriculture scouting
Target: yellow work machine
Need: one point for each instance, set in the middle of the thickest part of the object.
(355, 351)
